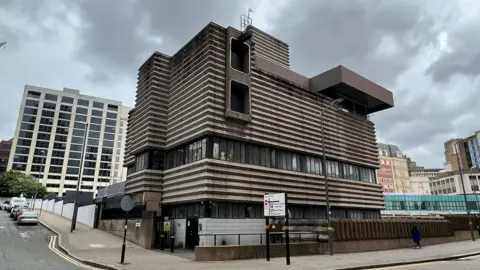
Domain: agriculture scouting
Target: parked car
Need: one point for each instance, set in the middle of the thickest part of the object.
(27, 216)
(4, 205)
(15, 210)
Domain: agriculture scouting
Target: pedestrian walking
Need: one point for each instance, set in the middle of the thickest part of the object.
(416, 237)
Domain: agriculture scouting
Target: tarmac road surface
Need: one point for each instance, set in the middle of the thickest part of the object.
(31, 247)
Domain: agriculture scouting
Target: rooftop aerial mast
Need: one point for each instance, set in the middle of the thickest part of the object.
(245, 20)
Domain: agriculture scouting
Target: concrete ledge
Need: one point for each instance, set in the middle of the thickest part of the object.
(225, 253)
(66, 251)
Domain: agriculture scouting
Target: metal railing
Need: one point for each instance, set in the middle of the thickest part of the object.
(259, 238)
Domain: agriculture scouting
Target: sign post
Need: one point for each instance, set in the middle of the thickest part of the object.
(275, 205)
(127, 205)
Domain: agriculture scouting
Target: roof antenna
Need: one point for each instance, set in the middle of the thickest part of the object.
(245, 20)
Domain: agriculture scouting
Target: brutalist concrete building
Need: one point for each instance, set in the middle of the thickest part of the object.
(225, 120)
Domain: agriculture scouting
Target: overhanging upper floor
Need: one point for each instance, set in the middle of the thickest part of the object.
(340, 82)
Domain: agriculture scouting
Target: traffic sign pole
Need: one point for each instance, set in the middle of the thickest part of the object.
(127, 205)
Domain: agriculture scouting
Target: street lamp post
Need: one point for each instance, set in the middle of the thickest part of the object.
(325, 176)
(469, 216)
(75, 202)
(38, 180)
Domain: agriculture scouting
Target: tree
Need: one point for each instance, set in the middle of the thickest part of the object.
(16, 183)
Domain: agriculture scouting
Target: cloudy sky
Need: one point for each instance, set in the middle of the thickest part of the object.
(426, 52)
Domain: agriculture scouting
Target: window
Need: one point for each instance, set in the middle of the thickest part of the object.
(111, 115)
(22, 150)
(65, 108)
(108, 143)
(108, 136)
(97, 113)
(92, 149)
(29, 119)
(58, 153)
(75, 155)
(43, 136)
(19, 167)
(24, 142)
(83, 102)
(71, 170)
(65, 116)
(93, 134)
(60, 146)
(110, 122)
(96, 120)
(63, 123)
(98, 105)
(48, 113)
(74, 163)
(95, 127)
(54, 169)
(62, 130)
(26, 126)
(67, 100)
(75, 147)
(46, 129)
(79, 125)
(25, 134)
(112, 107)
(239, 97)
(109, 129)
(33, 94)
(240, 56)
(78, 132)
(31, 103)
(93, 142)
(48, 105)
(22, 159)
(82, 110)
(60, 138)
(56, 161)
(80, 118)
(51, 97)
(30, 111)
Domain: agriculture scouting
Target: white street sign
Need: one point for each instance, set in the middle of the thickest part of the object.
(274, 205)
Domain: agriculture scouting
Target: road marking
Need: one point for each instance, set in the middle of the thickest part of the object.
(52, 247)
(24, 235)
(96, 245)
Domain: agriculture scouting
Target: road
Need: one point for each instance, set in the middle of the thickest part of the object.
(30, 248)
(464, 263)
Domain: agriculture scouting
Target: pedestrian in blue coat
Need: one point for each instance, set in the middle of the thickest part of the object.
(416, 237)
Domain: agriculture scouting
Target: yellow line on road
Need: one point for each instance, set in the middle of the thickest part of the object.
(52, 247)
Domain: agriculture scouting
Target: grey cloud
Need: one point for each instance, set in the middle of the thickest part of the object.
(118, 38)
(463, 58)
(323, 34)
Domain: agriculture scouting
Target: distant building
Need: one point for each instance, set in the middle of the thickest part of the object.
(450, 182)
(5, 147)
(393, 172)
(420, 177)
(52, 124)
(409, 204)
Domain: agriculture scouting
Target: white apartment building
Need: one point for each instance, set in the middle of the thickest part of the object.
(450, 182)
(51, 129)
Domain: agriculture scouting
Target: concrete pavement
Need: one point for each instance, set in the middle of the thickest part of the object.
(469, 263)
(104, 248)
(27, 247)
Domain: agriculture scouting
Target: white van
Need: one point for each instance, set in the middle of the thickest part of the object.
(17, 201)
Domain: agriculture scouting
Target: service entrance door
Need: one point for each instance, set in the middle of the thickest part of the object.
(191, 237)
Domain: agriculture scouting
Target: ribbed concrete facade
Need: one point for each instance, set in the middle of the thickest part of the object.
(230, 121)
